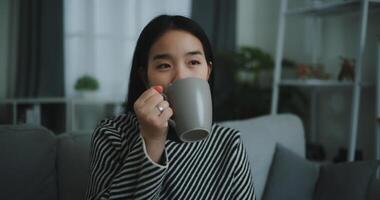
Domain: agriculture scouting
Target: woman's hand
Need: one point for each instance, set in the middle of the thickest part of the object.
(153, 122)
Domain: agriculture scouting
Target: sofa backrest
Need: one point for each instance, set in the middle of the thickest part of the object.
(34, 161)
(260, 136)
(73, 165)
(27, 163)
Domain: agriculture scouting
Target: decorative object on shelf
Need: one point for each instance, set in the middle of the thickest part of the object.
(320, 73)
(347, 70)
(87, 86)
(33, 115)
(308, 71)
(304, 71)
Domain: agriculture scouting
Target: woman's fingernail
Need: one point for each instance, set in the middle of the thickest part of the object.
(159, 88)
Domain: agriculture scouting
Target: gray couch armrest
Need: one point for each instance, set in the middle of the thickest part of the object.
(27, 163)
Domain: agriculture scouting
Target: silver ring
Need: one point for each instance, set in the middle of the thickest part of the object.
(160, 108)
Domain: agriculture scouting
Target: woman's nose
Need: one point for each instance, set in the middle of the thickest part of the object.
(181, 73)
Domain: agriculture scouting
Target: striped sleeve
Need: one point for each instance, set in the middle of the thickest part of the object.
(121, 171)
(243, 187)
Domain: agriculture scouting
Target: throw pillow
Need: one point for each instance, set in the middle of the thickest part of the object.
(290, 177)
(348, 181)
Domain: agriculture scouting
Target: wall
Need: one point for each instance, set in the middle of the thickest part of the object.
(257, 26)
(3, 46)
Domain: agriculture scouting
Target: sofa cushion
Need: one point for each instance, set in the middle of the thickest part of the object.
(290, 176)
(260, 136)
(73, 167)
(349, 181)
(27, 163)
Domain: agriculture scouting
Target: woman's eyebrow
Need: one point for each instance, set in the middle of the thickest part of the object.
(168, 56)
(194, 53)
(162, 56)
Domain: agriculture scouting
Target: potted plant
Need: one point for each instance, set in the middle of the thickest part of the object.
(253, 67)
(87, 86)
(247, 74)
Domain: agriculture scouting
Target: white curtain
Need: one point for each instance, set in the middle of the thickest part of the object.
(100, 36)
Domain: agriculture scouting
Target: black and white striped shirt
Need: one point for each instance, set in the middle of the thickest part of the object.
(214, 168)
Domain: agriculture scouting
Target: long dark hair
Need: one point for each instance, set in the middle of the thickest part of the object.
(149, 35)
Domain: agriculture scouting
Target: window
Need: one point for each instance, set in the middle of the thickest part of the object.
(100, 36)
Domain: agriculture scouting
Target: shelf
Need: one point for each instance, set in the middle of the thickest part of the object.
(334, 8)
(34, 100)
(96, 101)
(33, 110)
(321, 83)
(316, 83)
(59, 100)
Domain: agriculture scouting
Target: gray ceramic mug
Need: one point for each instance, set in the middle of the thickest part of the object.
(190, 99)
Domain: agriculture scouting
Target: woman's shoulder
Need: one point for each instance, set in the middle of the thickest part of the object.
(117, 128)
(119, 122)
(225, 129)
(225, 133)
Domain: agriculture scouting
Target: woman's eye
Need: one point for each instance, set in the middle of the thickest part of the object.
(195, 62)
(163, 66)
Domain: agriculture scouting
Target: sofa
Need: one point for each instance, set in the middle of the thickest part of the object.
(37, 164)
(276, 149)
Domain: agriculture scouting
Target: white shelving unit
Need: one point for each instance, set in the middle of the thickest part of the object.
(71, 105)
(317, 11)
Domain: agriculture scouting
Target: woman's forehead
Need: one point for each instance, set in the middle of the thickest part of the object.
(178, 43)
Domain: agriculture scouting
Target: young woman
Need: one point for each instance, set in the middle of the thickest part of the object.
(138, 156)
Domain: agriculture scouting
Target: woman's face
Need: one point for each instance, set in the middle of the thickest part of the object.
(177, 54)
